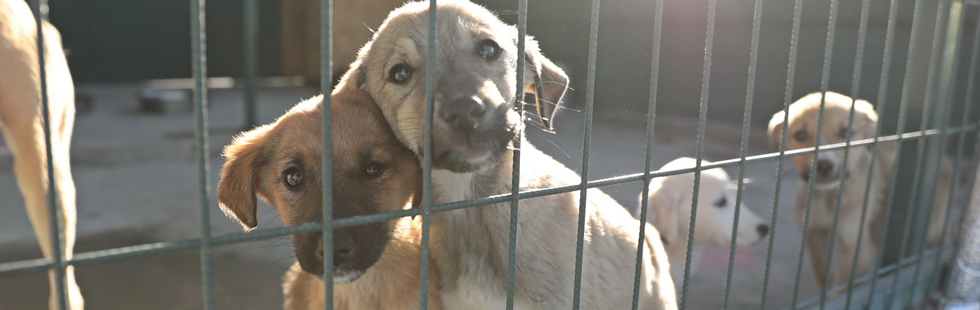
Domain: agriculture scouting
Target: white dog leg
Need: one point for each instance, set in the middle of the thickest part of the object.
(30, 167)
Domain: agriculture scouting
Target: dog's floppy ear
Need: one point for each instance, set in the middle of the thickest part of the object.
(776, 129)
(545, 80)
(353, 77)
(239, 176)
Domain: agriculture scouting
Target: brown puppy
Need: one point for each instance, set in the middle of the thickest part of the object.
(21, 123)
(376, 265)
(803, 118)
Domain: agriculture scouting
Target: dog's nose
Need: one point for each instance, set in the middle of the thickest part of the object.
(762, 229)
(343, 247)
(824, 167)
(465, 113)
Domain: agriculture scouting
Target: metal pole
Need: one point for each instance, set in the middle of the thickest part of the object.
(251, 60)
(199, 67)
(54, 212)
(326, 72)
(964, 284)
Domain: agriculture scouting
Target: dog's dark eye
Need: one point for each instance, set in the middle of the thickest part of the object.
(374, 169)
(844, 133)
(400, 74)
(721, 203)
(801, 135)
(292, 177)
(488, 49)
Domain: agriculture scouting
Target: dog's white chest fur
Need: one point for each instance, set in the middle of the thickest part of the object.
(470, 294)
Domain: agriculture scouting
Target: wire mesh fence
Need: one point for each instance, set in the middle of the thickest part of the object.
(908, 281)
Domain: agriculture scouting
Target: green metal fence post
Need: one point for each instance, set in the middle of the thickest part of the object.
(199, 68)
(515, 183)
(902, 111)
(426, 209)
(879, 109)
(787, 99)
(855, 86)
(824, 81)
(586, 149)
(699, 153)
(54, 211)
(326, 73)
(251, 61)
(648, 153)
(937, 147)
(929, 110)
(960, 145)
(743, 149)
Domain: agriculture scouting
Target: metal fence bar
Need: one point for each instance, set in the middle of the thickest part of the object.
(927, 108)
(251, 11)
(787, 99)
(902, 111)
(58, 257)
(60, 262)
(586, 148)
(515, 184)
(960, 145)
(262, 234)
(699, 153)
(426, 209)
(199, 67)
(885, 272)
(880, 108)
(824, 80)
(946, 80)
(326, 85)
(743, 149)
(855, 86)
(647, 159)
(964, 281)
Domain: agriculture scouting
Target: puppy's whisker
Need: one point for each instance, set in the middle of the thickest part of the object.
(269, 222)
(285, 258)
(569, 109)
(368, 28)
(559, 148)
(554, 83)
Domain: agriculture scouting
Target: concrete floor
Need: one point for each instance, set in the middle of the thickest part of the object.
(137, 183)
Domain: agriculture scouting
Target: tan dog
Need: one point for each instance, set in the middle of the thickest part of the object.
(377, 265)
(473, 131)
(21, 121)
(803, 117)
(670, 212)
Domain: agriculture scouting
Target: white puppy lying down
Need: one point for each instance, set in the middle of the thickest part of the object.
(670, 212)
